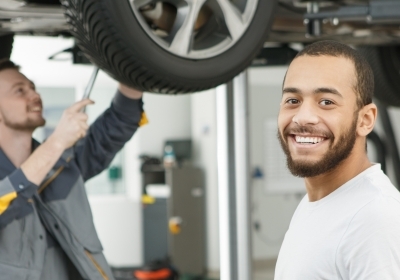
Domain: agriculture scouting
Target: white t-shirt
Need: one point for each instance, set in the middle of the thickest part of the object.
(353, 233)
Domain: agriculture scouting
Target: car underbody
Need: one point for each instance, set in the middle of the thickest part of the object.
(184, 46)
(353, 22)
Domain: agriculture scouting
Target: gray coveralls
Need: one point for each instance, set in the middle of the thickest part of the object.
(47, 231)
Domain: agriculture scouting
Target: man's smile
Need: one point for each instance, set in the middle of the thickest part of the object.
(308, 139)
(35, 109)
(306, 142)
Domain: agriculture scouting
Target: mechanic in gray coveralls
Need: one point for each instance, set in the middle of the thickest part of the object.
(46, 225)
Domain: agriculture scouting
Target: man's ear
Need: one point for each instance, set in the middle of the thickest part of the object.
(366, 119)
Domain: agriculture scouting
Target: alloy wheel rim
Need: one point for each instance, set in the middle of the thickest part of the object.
(195, 29)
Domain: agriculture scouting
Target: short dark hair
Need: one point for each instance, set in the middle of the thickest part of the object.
(364, 75)
(8, 64)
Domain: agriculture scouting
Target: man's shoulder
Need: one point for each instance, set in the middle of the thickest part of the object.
(379, 187)
(382, 211)
(374, 200)
(372, 237)
(370, 185)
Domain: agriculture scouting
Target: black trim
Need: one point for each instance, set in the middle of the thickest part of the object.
(380, 149)
(390, 140)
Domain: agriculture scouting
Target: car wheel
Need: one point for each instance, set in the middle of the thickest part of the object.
(385, 63)
(6, 43)
(170, 46)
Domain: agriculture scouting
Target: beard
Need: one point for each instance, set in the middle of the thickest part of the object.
(336, 153)
(28, 125)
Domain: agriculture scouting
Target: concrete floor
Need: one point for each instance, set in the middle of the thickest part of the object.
(263, 275)
(264, 269)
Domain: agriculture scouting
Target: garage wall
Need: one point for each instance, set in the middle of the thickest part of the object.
(204, 133)
(271, 210)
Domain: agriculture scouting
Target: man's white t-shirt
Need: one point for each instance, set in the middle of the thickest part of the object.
(353, 233)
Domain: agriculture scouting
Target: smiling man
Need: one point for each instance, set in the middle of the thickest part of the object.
(348, 224)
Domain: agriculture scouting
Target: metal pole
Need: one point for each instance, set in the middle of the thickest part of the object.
(227, 228)
(233, 179)
(242, 173)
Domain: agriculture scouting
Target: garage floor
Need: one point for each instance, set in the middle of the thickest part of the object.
(265, 274)
(262, 270)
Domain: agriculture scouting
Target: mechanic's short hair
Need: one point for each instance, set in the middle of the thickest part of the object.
(8, 64)
(365, 77)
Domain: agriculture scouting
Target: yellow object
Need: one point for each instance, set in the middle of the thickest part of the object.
(5, 201)
(147, 199)
(175, 225)
(144, 120)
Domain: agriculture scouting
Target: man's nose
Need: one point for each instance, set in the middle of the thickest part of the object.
(34, 95)
(306, 115)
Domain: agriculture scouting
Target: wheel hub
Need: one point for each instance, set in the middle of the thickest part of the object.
(195, 29)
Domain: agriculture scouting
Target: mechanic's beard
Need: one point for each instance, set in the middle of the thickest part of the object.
(336, 154)
(28, 125)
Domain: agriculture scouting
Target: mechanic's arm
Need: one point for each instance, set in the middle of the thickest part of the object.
(17, 188)
(109, 133)
(72, 127)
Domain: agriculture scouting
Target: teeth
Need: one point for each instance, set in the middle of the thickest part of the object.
(308, 140)
(36, 109)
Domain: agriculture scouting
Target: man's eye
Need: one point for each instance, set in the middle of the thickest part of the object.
(326, 102)
(292, 101)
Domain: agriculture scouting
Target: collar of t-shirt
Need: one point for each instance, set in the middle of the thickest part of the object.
(376, 167)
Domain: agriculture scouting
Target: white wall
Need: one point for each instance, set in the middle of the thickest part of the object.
(32, 54)
(272, 211)
(205, 156)
(169, 118)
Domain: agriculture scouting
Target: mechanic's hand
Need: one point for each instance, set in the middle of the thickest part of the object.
(73, 125)
(130, 92)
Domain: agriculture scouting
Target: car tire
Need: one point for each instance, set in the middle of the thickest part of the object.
(112, 37)
(385, 63)
(6, 44)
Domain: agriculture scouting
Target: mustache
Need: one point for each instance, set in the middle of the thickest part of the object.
(36, 103)
(297, 129)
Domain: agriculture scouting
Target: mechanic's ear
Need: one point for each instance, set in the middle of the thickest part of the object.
(366, 119)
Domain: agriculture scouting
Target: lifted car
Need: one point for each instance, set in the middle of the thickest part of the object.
(182, 46)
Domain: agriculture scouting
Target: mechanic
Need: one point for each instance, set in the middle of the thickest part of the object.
(348, 224)
(46, 225)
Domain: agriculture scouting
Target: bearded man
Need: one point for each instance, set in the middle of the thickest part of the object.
(348, 224)
(46, 226)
